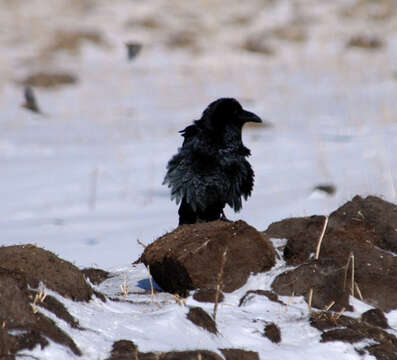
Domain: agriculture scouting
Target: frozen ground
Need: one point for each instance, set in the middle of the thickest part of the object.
(84, 179)
(150, 323)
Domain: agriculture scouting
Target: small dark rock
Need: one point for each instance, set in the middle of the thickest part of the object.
(365, 42)
(269, 294)
(189, 355)
(346, 335)
(258, 44)
(375, 317)
(238, 354)
(272, 331)
(123, 350)
(200, 318)
(30, 100)
(329, 189)
(383, 351)
(133, 49)
(96, 276)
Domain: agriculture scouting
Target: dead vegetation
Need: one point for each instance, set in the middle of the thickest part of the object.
(49, 79)
(72, 41)
(364, 41)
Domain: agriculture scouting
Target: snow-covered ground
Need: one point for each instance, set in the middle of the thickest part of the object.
(84, 180)
(160, 324)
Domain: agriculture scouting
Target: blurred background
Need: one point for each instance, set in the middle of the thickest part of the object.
(93, 94)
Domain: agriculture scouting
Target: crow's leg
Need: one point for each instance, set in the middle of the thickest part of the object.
(211, 213)
(186, 214)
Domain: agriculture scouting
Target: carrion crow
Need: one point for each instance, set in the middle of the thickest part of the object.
(210, 170)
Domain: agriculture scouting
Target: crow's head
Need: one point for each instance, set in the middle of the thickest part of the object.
(227, 111)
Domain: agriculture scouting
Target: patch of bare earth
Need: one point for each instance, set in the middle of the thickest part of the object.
(360, 234)
(26, 272)
(72, 41)
(191, 256)
(352, 330)
(21, 325)
(49, 79)
(41, 265)
(355, 258)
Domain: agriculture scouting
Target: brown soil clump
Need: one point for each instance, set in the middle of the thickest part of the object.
(365, 42)
(375, 317)
(200, 318)
(363, 228)
(257, 43)
(238, 354)
(127, 350)
(190, 257)
(22, 327)
(269, 294)
(273, 333)
(353, 330)
(41, 265)
(49, 79)
(96, 276)
(72, 41)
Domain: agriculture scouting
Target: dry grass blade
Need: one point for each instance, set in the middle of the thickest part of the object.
(125, 289)
(346, 270)
(40, 297)
(332, 303)
(339, 314)
(352, 279)
(220, 281)
(352, 285)
(180, 300)
(151, 285)
(358, 291)
(320, 239)
(310, 300)
(141, 243)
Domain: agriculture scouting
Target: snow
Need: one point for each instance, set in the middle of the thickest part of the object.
(84, 179)
(156, 324)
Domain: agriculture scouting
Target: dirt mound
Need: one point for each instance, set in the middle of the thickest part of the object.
(238, 354)
(273, 333)
(126, 350)
(191, 256)
(347, 329)
(22, 327)
(49, 79)
(41, 265)
(200, 318)
(96, 276)
(360, 234)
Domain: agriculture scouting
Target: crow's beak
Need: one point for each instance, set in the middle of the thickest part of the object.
(247, 116)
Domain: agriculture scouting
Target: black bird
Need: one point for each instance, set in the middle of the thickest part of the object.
(210, 170)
